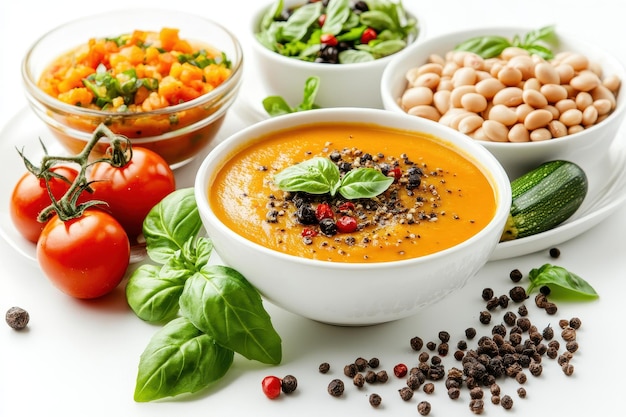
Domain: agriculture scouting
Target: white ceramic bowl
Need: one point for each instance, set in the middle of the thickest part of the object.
(198, 120)
(341, 85)
(588, 148)
(353, 293)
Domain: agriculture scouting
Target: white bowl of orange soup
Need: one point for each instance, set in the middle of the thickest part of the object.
(342, 257)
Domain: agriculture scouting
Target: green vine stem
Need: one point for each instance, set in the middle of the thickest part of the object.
(118, 154)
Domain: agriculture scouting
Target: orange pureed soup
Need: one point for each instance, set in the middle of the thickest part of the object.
(438, 199)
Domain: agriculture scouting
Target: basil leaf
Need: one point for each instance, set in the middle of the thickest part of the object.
(298, 24)
(170, 223)
(385, 48)
(276, 106)
(378, 20)
(222, 303)
(311, 86)
(337, 13)
(272, 13)
(152, 292)
(353, 56)
(179, 359)
(485, 46)
(560, 279)
(314, 176)
(364, 183)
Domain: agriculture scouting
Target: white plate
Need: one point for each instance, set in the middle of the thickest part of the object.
(25, 130)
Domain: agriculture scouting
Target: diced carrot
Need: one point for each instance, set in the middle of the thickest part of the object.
(169, 38)
(77, 97)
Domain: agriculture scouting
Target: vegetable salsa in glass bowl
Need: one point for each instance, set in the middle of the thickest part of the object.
(164, 79)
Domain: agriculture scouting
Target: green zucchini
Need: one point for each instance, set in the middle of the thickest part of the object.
(544, 198)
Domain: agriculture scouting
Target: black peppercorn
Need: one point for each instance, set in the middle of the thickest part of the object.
(522, 310)
(554, 252)
(443, 349)
(568, 334)
(370, 377)
(358, 380)
(470, 332)
(373, 363)
(571, 346)
(492, 303)
(413, 382)
(423, 357)
(454, 393)
(289, 384)
(510, 318)
(375, 400)
(521, 392)
(503, 301)
(423, 408)
(336, 387)
(515, 275)
(487, 294)
(361, 364)
(507, 402)
(17, 318)
(550, 308)
(417, 343)
(517, 294)
(485, 317)
(382, 376)
(476, 393)
(328, 227)
(406, 393)
(476, 406)
(350, 370)
(429, 388)
(444, 336)
(568, 368)
(431, 345)
(324, 367)
(575, 323)
(462, 345)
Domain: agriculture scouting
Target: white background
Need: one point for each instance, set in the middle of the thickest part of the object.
(80, 358)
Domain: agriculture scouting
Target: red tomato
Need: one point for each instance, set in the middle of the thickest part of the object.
(85, 257)
(131, 191)
(30, 197)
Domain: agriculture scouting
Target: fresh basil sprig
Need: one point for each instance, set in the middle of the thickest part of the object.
(561, 282)
(277, 105)
(211, 311)
(321, 176)
(535, 42)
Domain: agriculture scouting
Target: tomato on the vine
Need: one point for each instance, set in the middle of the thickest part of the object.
(133, 189)
(85, 257)
(30, 197)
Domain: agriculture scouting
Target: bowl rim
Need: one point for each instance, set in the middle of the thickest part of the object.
(232, 82)
(240, 140)
(389, 80)
(320, 67)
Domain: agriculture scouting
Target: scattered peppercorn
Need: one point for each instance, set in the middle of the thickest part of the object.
(575, 323)
(375, 400)
(272, 386)
(358, 380)
(370, 377)
(444, 336)
(443, 349)
(516, 275)
(289, 384)
(400, 370)
(568, 368)
(545, 290)
(429, 388)
(350, 370)
(382, 376)
(373, 363)
(485, 317)
(17, 318)
(521, 392)
(550, 308)
(423, 408)
(487, 294)
(361, 364)
(324, 367)
(476, 406)
(554, 252)
(336, 388)
(406, 393)
(518, 294)
(470, 332)
(571, 346)
(522, 310)
(507, 402)
(417, 343)
(431, 345)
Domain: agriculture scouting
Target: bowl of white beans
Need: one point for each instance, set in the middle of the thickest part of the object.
(523, 107)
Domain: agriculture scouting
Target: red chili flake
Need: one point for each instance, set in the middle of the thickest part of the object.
(346, 224)
(329, 39)
(347, 206)
(323, 211)
(306, 232)
(396, 173)
(321, 20)
(369, 34)
(400, 370)
(272, 386)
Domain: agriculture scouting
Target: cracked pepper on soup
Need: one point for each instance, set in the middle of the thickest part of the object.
(352, 192)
